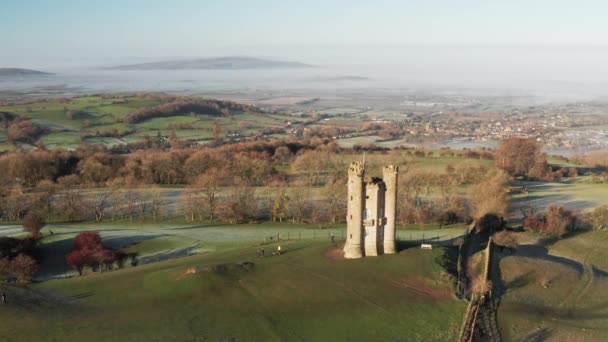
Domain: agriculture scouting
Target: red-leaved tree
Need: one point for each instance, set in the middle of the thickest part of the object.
(33, 223)
(88, 250)
(87, 240)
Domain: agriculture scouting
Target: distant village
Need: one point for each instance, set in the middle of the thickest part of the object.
(573, 127)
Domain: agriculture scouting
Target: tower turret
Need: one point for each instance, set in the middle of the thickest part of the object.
(354, 216)
(389, 175)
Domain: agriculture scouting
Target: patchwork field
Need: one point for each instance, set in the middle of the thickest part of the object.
(99, 114)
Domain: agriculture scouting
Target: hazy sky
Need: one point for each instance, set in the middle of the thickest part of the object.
(33, 30)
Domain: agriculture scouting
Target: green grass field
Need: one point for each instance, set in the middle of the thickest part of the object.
(556, 292)
(155, 242)
(301, 295)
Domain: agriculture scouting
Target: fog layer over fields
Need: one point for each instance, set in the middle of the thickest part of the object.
(548, 73)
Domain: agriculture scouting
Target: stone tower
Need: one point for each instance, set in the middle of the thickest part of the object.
(389, 175)
(372, 206)
(354, 213)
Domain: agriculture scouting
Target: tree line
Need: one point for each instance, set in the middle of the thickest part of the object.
(186, 106)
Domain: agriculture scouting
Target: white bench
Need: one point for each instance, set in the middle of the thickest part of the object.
(426, 246)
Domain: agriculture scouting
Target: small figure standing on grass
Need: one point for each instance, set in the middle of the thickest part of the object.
(333, 239)
(262, 251)
(3, 298)
(279, 250)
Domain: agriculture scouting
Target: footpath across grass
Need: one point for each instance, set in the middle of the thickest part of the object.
(305, 294)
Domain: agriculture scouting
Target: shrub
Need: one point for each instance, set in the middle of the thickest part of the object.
(599, 217)
(557, 221)
(23, 268)
(505, 239)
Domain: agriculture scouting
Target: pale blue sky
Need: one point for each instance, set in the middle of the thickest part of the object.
(150, 28)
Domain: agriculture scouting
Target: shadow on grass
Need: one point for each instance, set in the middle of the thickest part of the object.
(542, 253)
(573, 314)
(178, 253)
(519, 282)
(538, 336)
(403, 245)
(80, 296)
(52, 254)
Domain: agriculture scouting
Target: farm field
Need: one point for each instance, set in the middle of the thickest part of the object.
(100, 114)
(304, 294)
(554, 292)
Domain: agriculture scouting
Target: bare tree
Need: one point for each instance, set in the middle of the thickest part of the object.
(98, 203)
(131, 199)
(299, 203)
(189, 204)
(334, 194)
(240, 205)
(156, 205)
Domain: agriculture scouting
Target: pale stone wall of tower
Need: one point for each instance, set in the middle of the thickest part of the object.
(389, 175)
(373, 220)
(369, 220)
(354, 215)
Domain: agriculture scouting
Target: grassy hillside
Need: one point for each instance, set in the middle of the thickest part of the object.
(154, 242)
(302, 295)
(555, 292)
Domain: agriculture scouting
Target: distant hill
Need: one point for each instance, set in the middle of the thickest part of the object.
(342, 78)
(219, 63)
(6, 72)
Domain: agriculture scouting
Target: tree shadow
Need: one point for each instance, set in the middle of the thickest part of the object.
(118, 242)
(79, 296)
(177, 253)
(542, 253)
(52, 254)
(404, 245)
(538, 336)
(518, 282)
